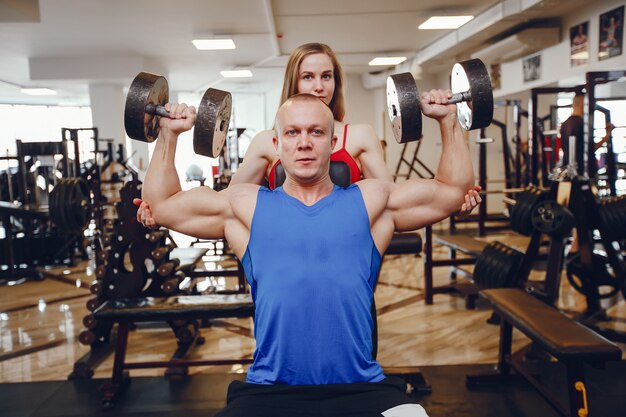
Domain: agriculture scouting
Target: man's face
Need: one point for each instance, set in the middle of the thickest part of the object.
(305, 142)
(315, 76)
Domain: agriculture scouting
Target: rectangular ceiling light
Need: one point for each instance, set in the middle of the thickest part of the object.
(236, 74)
(38, 91)
(445, 22)
(213, 44)
(387, 60)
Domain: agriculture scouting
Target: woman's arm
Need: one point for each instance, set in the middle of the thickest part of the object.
(258, 159)
(371, 157)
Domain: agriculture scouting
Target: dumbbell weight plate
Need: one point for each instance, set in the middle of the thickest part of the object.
(472, 76)
(145, 90)
(212, 122)
(403, 107)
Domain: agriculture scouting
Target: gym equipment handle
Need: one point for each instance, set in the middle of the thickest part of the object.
(157, 110)
(460, 97)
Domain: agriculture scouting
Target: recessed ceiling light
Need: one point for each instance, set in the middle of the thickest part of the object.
(236, 74)
(213, 44)
(445, 22)
(387, 60)
(38, 91)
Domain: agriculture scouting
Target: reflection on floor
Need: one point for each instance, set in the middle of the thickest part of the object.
(203, 395)
(40, 322)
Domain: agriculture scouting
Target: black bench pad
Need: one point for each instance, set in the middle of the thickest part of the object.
(405, 243)
(177, 307)
(559, 335)
(462, 243)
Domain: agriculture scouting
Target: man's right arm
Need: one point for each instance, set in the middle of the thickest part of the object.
(199, 212)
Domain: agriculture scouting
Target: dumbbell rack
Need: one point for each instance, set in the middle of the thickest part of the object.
(131, 262)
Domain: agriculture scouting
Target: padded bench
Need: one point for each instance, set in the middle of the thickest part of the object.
(174, 310)
(405, 244)
(568, 341)
(455, 243)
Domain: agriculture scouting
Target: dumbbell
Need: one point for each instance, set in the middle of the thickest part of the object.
(471, 92)
(161, 252)
(147, 96)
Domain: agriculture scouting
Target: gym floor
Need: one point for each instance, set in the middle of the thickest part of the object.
(41, 320)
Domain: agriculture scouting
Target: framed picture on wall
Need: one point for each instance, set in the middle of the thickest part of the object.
(611, 33)
(495, 76)
(532, 68)
(579, 44)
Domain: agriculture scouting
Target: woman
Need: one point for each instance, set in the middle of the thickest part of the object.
(313, 68)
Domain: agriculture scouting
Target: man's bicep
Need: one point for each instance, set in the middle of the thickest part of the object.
(418, 203)
(199, 211)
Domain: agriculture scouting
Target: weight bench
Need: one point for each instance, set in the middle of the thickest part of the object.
(174, 309)
(405, 244)
(455, 242)
(571, 343)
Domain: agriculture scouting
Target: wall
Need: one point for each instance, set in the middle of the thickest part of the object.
(556, 71)
(555, 61)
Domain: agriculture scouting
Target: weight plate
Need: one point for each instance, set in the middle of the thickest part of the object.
(551, 218)
(146, 89)
(472, 76)
(403, 107)
(499, 269)
(212, 122)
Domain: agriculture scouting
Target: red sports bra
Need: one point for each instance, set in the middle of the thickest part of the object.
(342, 155)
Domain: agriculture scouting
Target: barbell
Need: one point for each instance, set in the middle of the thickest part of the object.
(145, 105)
(471, 92)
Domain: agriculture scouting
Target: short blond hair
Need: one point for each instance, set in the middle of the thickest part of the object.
(304, 98)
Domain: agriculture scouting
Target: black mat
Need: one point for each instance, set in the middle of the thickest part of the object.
(203, 395)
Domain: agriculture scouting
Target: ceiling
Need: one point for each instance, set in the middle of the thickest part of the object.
(69, 44)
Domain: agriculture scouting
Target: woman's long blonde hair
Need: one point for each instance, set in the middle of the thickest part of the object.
(290, 84)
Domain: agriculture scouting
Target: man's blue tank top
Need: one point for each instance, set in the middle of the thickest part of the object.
(312, 272)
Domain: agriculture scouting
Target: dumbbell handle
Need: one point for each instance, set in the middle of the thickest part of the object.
(460, 97)
(157, 110)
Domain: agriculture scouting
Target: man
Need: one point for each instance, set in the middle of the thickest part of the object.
(574, 126)
(311, 271)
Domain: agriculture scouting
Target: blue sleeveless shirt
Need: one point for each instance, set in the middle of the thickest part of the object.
(312, 271)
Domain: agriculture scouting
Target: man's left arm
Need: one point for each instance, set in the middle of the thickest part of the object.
(420, 202)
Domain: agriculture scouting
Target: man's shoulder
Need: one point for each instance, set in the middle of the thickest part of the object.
(374, 186)
(235, 191)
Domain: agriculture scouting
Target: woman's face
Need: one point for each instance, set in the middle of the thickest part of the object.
(315, 76)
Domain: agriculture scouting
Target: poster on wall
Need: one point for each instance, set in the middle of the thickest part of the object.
(532, 68)
(495, 76)
(579, 44)
(611, 33)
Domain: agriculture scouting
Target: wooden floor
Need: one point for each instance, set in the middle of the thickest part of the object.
(40, 322)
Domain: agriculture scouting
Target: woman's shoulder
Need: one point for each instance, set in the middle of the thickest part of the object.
(264, 135)
(262, 142)
(360, 129)
(361, 133)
